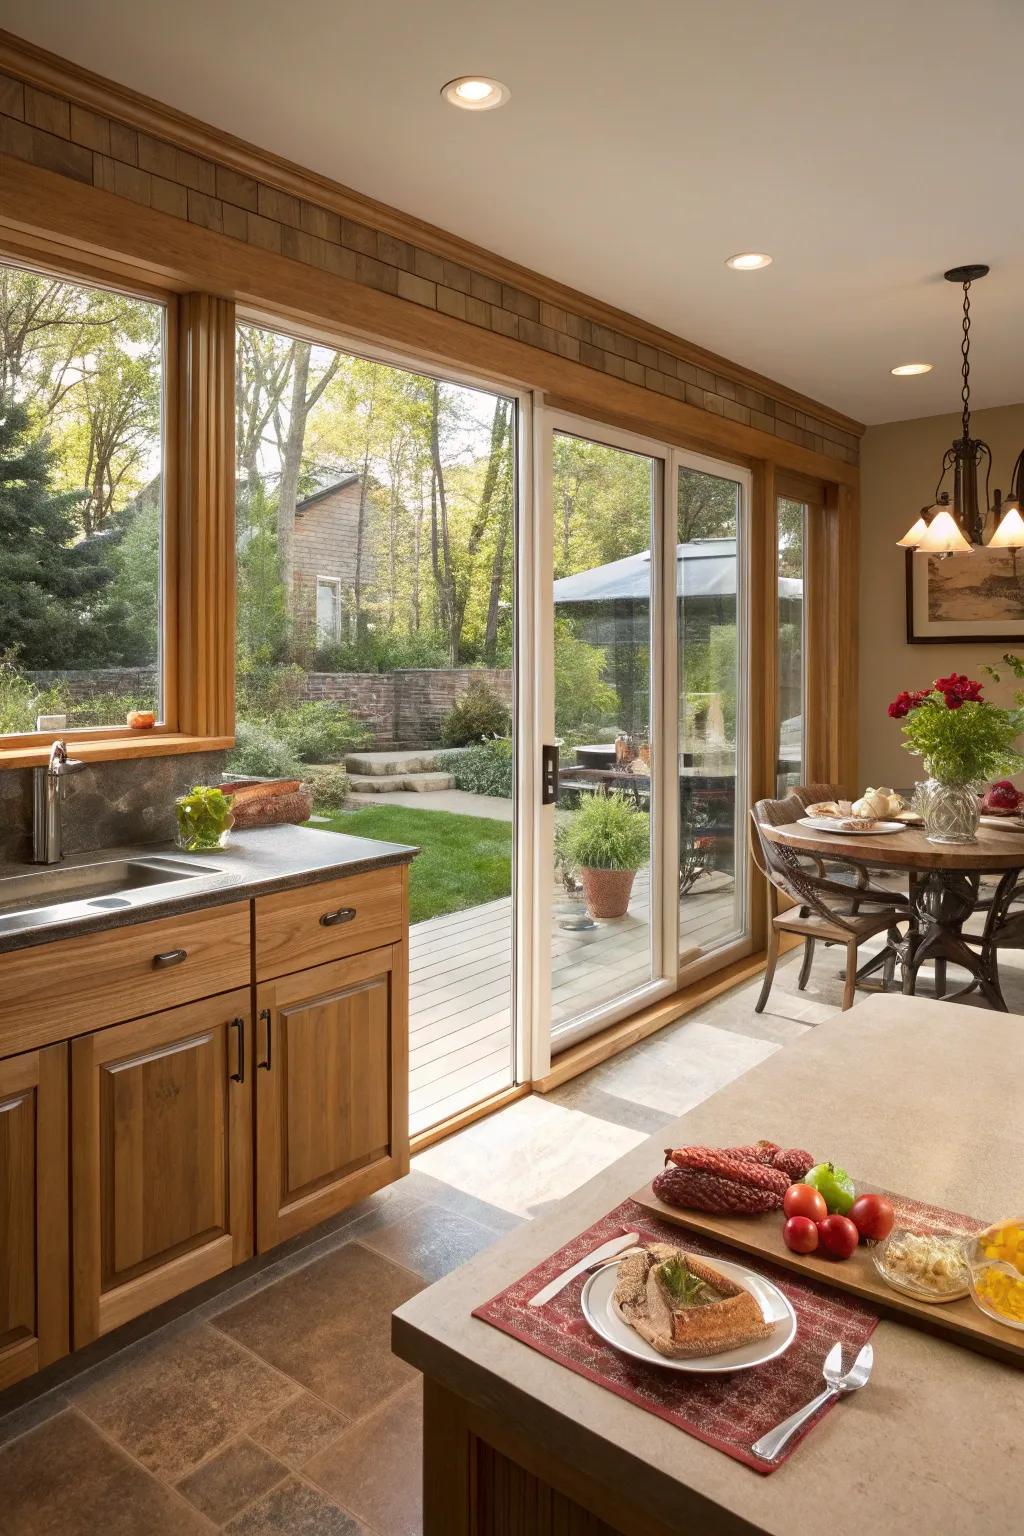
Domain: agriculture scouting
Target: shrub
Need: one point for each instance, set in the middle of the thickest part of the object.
(478, 714)
(259, 754)
(608, 832)
(318, 730)
(483, 769)
(382, 650)
(582, 697)
(266, 691)
(330, 786)
(21, 700)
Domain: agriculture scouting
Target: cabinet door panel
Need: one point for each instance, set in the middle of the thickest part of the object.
(33, 1212)
(332, 1105)
(161, 1172)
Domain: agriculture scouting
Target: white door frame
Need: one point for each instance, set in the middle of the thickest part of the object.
(738, 945)
(664, 875)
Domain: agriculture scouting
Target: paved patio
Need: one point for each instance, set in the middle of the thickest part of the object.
(461, 986)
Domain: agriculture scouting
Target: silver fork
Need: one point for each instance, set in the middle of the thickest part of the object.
(770, 1445)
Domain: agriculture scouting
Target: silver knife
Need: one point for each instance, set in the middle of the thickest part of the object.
(605, 1251)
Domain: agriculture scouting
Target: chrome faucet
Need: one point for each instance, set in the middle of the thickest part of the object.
(47, 801)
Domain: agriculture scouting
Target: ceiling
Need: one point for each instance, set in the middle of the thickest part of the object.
(865, 147)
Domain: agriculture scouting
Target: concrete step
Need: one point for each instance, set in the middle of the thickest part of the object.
(390, 783)
(388, 764)
(423, 783)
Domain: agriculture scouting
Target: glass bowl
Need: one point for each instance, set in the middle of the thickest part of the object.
(995, 1259)
(900, 1258)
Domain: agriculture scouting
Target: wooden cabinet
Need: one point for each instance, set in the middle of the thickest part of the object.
(331, 1089)
(199, 1126)
(33, 1211)
(161, 1145)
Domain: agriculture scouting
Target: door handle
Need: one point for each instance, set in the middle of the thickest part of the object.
(169, 957)
(548, 775)
(342, 915)
(239, 1025)
(265, 1019)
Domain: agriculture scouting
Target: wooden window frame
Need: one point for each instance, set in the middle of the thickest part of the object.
(196, 651)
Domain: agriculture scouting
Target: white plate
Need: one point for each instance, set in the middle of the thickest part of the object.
(1002, 823)
(603, 1315)
(831, 824)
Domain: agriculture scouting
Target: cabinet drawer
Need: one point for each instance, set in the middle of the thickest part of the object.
(327, 921)
(55, 991)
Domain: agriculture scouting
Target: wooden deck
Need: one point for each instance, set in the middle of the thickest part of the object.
(460, 987)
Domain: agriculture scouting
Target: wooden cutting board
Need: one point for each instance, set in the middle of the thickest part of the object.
(960, 1321)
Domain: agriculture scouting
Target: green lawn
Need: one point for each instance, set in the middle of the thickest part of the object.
(465, 860)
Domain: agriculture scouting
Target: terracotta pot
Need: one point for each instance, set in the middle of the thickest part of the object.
(607, 890)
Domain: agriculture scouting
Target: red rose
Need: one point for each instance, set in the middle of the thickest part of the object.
(953, 701)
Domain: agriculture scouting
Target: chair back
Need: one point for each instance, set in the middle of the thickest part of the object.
(810, 794)
(801, 876)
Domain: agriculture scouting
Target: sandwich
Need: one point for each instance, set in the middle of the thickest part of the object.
(685, 1307)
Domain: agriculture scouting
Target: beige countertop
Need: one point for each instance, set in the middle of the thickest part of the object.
(909, 1094)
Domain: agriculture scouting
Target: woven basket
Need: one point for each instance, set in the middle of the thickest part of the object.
(607, 890)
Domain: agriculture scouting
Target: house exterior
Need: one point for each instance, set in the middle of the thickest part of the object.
(324, 558)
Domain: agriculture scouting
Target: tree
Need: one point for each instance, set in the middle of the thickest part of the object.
(48, 582)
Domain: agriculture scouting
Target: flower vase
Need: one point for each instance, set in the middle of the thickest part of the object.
(950, 812)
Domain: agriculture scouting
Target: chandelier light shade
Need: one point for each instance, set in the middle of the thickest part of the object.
(957, 527)
(943, 537)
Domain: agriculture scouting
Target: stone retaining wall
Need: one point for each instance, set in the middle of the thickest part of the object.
(396, 709)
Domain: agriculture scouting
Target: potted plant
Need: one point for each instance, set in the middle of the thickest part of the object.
(963, 740)
(607, 841)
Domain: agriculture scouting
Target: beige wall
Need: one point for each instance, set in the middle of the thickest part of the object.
(899, 467)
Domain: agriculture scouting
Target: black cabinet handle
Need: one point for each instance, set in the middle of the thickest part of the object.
(343, 915)
(169, 957)
(265, 1019)
(239, 1025)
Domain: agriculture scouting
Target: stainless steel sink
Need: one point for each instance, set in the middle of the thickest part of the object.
(55, 895)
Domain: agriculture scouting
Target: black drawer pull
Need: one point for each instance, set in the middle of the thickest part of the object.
(169, 957)
(239, 1025)
(343, 915)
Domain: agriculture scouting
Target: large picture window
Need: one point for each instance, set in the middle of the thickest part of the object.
(81, 503)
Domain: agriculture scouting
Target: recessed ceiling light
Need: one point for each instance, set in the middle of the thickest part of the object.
(749, 261)
(475, 93)
(905, 369)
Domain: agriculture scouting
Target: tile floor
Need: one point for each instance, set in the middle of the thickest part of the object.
(277, 1407)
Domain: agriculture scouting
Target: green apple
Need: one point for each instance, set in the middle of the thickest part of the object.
(833, 1184)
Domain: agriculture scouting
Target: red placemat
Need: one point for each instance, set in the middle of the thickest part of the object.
(728, 1412)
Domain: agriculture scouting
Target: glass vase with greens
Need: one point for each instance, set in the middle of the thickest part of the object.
(204, 819)
(963, 740)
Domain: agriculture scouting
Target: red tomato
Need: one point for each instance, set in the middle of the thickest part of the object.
(800, 1234)
(803, 1200)
(873, 1216)
(838, 1236)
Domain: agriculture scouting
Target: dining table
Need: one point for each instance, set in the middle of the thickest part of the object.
(908, 1094)
(944, 891)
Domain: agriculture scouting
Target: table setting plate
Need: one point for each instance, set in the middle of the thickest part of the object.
(603, 1315)
(828, 824)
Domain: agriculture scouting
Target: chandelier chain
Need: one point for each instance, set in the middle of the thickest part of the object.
(965, 350)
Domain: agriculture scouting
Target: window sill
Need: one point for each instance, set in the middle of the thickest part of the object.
(113, 748)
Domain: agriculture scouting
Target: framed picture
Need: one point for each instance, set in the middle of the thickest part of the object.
(977, 597)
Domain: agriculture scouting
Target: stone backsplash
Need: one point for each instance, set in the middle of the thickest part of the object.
(107, 804)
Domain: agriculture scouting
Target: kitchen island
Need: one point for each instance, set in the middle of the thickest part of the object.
(908, 1094)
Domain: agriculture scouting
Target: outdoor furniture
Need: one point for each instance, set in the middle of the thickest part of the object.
(806, 880)
(944, 885)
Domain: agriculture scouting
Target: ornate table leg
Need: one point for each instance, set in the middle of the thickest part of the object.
(942, 901)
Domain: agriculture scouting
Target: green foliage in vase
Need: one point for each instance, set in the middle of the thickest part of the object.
(962, 737)
(607, 832)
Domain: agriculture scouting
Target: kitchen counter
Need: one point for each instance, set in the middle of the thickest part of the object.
(255, 863)
(909, 1094)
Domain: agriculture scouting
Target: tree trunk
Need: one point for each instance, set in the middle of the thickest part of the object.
(364, 478)
(494, 598)
(291, 464)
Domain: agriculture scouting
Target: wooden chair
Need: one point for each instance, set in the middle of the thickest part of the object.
(812, 794)
(805, 879)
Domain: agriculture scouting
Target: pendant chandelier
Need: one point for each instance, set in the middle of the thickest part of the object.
(957, 526)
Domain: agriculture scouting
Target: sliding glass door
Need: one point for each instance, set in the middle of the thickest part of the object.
(791, 563)
(713, 749)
